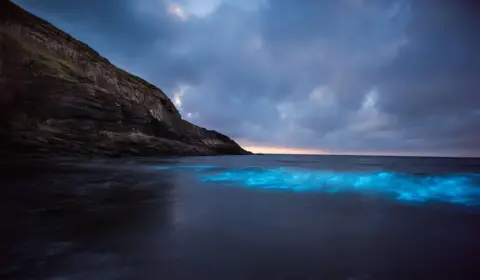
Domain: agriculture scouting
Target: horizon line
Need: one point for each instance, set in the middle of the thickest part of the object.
(263, 150)
(365, 155)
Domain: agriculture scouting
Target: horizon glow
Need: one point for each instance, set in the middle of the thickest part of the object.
(283, 150)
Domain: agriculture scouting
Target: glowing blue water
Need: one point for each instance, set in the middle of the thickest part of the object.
(192, 167)
(455, 188)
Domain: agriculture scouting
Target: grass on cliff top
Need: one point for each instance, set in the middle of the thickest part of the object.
(41, 55)
(137, 79)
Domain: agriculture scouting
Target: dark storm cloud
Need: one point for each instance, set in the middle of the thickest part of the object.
(433, 85)
(343, 76)
(112, 21)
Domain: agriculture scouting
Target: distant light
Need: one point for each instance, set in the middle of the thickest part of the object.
(177, 10)
(177, 96)
(177, 100)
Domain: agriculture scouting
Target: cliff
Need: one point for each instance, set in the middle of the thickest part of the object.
(59, 96)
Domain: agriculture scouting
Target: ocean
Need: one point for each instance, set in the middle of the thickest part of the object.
(241, 217)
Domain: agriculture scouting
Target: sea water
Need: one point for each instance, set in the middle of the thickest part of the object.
(243, 217)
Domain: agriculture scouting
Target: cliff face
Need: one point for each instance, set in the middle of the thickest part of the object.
(57, 95)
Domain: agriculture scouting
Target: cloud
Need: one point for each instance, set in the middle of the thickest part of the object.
(344, 76)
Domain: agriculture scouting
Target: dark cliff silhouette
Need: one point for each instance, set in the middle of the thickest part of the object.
(59, 96)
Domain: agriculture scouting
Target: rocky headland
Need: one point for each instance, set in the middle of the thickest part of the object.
(59, 96)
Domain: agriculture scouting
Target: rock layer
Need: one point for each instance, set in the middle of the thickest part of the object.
(57, 95)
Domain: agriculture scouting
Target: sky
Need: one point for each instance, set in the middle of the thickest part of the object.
(375, 77)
